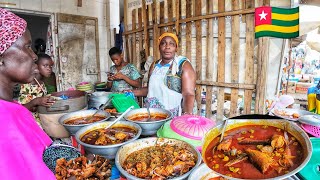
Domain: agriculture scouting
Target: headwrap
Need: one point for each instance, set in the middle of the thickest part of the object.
(12, 28)
(170, 35)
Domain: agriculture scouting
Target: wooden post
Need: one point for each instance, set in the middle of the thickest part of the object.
(221, 58)
(188, 29)
(133, 42)
(170, 13)
(140, 39)
(145, 17)
(235, 50)
(198, 54)
(249, 72)
(177, 26)
(126, 37)
(156, 30)
(209, 68)
(161, 16)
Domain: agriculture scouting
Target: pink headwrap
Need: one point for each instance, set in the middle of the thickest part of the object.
(12, 28)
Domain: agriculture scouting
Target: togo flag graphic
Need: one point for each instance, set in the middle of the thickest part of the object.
(276, 22)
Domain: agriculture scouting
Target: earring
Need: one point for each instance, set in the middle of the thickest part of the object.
(1, 62)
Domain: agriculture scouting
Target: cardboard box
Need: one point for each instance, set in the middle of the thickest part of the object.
(292, 87)
(302, 88)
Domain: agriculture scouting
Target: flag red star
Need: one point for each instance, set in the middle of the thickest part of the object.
(263, 15)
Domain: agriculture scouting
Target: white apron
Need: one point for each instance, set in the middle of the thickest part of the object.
(158, 91)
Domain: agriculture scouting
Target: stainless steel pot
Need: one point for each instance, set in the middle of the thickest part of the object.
(77, 101)
(137, 145)
(149, 127)
(108, 151)
(292, 128)
(96, 99)
(84, 113)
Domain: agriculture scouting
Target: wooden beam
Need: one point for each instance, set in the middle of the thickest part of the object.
(170, 13)
(133, 42)
(227, 85)
(235, 50)
(221, 58)
(198, 54)
(126, 37)
(162, 17)
(188, 30)
(145, 17)
(156, 53)
(138, 61)
(177, 26)
(210, 63)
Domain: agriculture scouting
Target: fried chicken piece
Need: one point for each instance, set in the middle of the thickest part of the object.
(261, 160)
(277, 141)
(224, 145)
(267, 149)
(89, 171)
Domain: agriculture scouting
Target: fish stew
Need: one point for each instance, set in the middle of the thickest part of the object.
(254, 152)
(114, 135)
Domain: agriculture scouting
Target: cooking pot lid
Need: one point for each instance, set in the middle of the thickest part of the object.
(191, 126)
(312, 169)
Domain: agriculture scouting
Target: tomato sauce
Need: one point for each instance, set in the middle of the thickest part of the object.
(246, 169)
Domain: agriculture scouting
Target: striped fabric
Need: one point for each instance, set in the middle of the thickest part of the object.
(277, 22)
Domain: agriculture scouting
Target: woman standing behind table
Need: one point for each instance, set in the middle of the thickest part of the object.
(172, 79)
(31, 94)
(122, 75)
(22, 142)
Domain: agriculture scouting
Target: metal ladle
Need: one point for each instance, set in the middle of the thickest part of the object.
(101, 108)
(120, 117)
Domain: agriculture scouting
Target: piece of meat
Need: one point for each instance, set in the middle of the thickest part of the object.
(120, 135)
(240, 158)
(277, 141)
(261, 160)
(225, 145)
(249, 141)
(102, 140)
(267, 149)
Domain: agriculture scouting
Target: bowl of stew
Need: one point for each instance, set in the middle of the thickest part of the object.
(105, 142)
(257, 149)
(150, 126)
(157, 158)
(79, 119)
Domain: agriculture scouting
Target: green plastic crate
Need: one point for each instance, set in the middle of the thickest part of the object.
(122, 103)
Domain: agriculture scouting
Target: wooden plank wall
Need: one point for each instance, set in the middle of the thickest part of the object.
(242, 11)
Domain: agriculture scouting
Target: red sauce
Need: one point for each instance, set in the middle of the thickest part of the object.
(83, 120)
(247, 169)
(144, 117)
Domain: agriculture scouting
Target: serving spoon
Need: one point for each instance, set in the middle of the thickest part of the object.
(225, 122)
(120, 117)
(101, 108)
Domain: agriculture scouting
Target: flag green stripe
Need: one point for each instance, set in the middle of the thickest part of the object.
(285, 11)
(277, 34)
(285, 23)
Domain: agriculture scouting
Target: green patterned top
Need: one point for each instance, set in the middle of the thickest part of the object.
(130, 71)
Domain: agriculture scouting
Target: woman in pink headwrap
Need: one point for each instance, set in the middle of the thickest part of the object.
(22, 142)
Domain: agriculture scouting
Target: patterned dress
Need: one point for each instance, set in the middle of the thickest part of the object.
(29, 92)
(128, 70)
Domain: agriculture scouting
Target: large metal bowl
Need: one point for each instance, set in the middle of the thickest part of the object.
(149, 127)
(291, 127)
(137, 145)
(108, 151)
(83, 113)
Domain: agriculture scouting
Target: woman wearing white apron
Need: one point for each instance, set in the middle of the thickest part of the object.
(171, 82)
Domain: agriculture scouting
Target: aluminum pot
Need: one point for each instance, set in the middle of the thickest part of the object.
(137, 145)
(97, 99)
(83, 113)
(291, 127)
(149, 127)
(108, 151)
(77, 101)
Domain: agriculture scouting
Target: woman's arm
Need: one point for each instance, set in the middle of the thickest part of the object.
(188, 88)
(43, 101)
(134, 83)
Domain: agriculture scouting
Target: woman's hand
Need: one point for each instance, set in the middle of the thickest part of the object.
(119, 76)
(43, 101)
